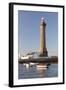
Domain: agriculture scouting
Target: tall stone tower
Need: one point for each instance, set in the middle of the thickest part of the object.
(43, 50)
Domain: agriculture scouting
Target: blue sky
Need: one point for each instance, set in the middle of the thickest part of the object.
(29, 31)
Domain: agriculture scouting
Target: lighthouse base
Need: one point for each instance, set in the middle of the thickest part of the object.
(44, 54)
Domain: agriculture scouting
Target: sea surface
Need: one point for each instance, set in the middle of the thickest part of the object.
(35, 72)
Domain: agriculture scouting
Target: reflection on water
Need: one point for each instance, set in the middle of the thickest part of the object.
(35, 72)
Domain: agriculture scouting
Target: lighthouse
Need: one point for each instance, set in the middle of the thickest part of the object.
(43, 49)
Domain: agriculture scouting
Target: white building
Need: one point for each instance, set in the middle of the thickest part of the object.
(27, 57)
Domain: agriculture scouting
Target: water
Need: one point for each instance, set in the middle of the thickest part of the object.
(34, 72)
